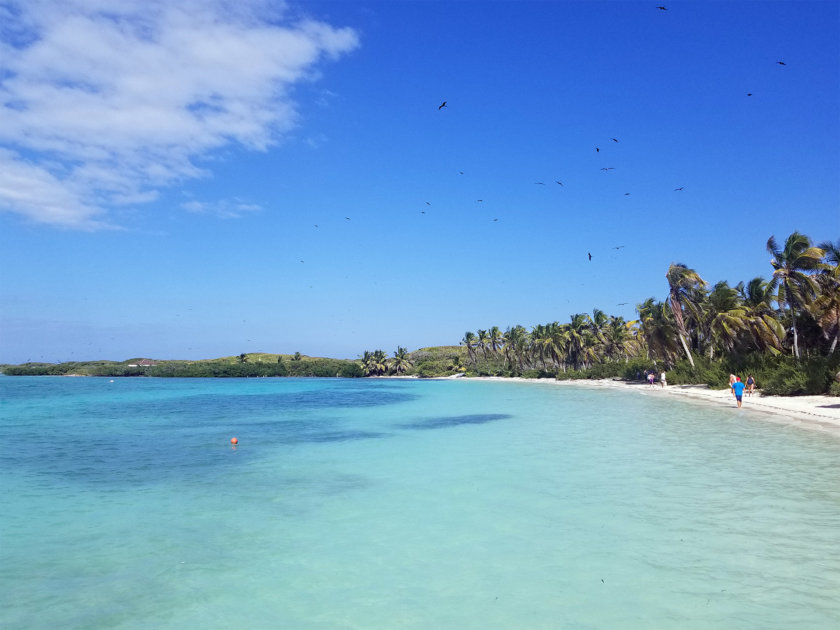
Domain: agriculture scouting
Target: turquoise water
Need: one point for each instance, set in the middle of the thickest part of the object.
(403, 504)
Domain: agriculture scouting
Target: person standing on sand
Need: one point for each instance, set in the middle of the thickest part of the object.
(732, 379)
(651, 376)
(750, 385)
(662, 380)
(738, 390)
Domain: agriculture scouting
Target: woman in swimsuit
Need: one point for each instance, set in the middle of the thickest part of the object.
(750, 385)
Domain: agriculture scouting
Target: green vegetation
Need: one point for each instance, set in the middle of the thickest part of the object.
(243, 365)
(784, 331)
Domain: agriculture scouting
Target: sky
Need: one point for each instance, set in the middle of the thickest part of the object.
(202, 178)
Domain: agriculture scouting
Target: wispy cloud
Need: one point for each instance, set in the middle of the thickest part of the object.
(104, 102)
(223, 208)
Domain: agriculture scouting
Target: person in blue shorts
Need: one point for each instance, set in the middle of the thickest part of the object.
(738, 389)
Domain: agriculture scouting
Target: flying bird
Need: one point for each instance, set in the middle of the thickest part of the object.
(626, 194)
(749, 93)
(597, 150)
(608, 168)
(618, 246)
(479, 200)
(442, 105)
(558, 182)
(781, 63)
(428, 204)
(540, 183)
(495, 219)
(590, 255)
(614, 139)
(680, 188)
(622, 304)
(662, 8)
(348, 218)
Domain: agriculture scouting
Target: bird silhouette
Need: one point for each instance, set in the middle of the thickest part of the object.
(749, 93)
(781, 63)
(348, 218)
(495, 219)
(428, 204)
(479, 200)
(614, 139)
(626, 194)
(590, 255)
(618, 246)
(558, 182)
(442, 105)
(608, 168)
(621, 304)
(316, 225)
(597, 150)
(662, 8)
(540, 183)
(680, 188)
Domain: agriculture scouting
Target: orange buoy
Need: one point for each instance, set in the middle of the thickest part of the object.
(234, 441)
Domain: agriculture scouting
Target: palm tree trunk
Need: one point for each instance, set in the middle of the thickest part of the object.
(687, 351)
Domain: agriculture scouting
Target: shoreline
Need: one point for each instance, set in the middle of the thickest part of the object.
(815, 413)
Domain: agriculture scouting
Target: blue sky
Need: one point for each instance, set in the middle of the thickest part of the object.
(211, 178)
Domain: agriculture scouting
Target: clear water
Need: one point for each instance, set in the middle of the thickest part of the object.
(407, 505)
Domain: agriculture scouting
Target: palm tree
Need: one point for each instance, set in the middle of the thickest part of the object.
(494, 338)
(515, 341)
(686, 289)
(826, 308)
(400, 361)
(618, 341)
(723, 317)
(469, 341)
(658, 329)
(579, 347)
(482, 341)
(794, 287)
(765, 331)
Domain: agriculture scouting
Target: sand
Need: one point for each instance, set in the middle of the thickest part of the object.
(821, 413)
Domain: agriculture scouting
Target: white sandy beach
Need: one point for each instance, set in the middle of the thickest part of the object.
(820, 413)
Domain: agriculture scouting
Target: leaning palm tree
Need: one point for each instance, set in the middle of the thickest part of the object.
(685, 290)
(794, 286)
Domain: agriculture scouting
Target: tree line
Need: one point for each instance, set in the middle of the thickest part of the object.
(787, 326)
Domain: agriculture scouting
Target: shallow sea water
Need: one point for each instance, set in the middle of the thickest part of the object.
(404, 504)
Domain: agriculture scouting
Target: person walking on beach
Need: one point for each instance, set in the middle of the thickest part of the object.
(750, 385)
(662, 380)
(738, 390)
(732, 379)
(651, 377)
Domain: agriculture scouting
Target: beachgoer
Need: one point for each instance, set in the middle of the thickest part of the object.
(738, 390)
(662, 380)
(750, 385)
(732, 379)
(651, 378)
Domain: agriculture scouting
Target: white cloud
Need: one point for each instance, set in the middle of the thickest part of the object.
(104, 101)
(223, 208)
